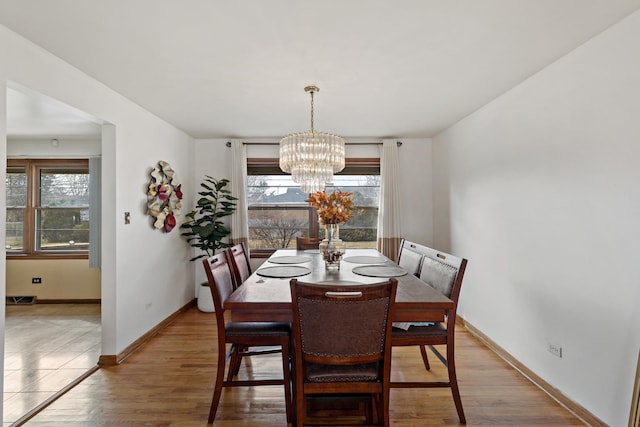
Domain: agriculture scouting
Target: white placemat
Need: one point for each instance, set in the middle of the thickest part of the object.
(379, 271)
(283, 271)
(293, 259)
(364, 259)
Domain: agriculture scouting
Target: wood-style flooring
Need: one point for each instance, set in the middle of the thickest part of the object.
(47, 346)
(169, 382)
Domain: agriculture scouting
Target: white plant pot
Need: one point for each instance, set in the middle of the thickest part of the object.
(205, 300)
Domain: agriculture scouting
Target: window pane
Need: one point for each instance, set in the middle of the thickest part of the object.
(16, 183)
(16, 188)
(278, 212)
(274, 190)
(64, 188)
(15, 230)
(62, 229)
(272, 227)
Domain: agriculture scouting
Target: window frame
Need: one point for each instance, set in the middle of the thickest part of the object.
(32, 168)
(270, 166)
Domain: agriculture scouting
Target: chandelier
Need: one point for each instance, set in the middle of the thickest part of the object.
(312, 157)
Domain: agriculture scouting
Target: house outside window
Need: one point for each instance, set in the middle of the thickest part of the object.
(278, 212)
(47, 207)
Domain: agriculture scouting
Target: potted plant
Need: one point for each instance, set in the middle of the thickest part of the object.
(205, 228)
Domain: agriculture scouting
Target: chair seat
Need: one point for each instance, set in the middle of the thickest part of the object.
(263, 329)
(337, 373)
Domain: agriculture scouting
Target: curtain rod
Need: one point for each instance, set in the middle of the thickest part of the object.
(346, 143)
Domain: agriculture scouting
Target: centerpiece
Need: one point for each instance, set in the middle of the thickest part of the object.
(333, 209)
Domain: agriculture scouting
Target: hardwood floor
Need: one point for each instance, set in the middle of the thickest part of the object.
(169, 382)
(47, 346)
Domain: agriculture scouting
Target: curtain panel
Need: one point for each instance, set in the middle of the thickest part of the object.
(95, 212)
(389, 230)
(239, 219)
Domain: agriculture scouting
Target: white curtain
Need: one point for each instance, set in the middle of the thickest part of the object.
(95, 211)
(239, 220)
(389, 232)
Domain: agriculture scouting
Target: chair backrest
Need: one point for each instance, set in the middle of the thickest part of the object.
(409, 257)
(221, 284)
(442, 271)
(238, 258)
(304, 243)
(342, 324)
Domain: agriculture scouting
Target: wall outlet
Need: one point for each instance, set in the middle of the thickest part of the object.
(36, 280)
(555, 349)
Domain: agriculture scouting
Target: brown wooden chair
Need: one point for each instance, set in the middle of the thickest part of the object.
(444, 273)
(243, 335)
(238, 259)
(303, 243)
(341, 340)
(240, 264)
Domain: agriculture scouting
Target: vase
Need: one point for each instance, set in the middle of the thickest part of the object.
(205, 299)
(332, 248)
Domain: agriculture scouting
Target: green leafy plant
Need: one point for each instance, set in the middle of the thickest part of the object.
(205, 228)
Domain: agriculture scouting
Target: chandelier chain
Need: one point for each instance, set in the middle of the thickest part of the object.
(312, 111)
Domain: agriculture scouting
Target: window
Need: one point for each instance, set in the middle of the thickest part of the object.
(47, 207)
(278, 212)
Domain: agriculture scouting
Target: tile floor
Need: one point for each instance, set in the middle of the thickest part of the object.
(47, 346)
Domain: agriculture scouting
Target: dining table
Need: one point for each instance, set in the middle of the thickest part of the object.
(266, 296)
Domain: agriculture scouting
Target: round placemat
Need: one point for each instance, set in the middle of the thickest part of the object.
(363, 259)
(282, 271)
(293, 259)
(339, 283)
(379, 271)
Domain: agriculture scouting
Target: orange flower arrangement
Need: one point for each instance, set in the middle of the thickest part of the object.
(334, 208)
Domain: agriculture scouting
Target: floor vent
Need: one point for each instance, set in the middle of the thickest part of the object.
(20, 300)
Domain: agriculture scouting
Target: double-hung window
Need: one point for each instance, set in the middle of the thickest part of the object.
(47, 207)
(278, 212)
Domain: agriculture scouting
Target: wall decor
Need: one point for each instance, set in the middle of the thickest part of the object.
(164, 197)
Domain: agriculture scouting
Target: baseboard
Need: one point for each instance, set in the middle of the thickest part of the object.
(68, 301)
(580, 412)
(112, 360)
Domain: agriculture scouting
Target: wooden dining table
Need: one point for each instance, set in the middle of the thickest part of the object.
(264, 297)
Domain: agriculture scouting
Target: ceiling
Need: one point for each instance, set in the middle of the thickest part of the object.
(407, 68)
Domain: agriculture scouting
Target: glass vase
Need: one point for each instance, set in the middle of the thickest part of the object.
(332, 248)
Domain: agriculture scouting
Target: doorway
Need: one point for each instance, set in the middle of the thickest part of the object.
(57, 337)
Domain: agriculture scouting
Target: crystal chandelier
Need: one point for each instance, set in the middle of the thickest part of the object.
(311, 157)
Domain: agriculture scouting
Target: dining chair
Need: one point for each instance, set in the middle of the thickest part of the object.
(303, 243)
(341, 337)
(240, 265)
(443, 272)
(409, 257)
(243, 335)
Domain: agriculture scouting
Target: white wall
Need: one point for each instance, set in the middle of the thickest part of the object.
(146, 275)
(540, 191)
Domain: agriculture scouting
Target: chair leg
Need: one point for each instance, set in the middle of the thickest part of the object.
(425, 359)
(286, 371)
(234, 361)
(453, 381)
(217, 391)
(241, 349)
(384, 407)
(301, 406)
